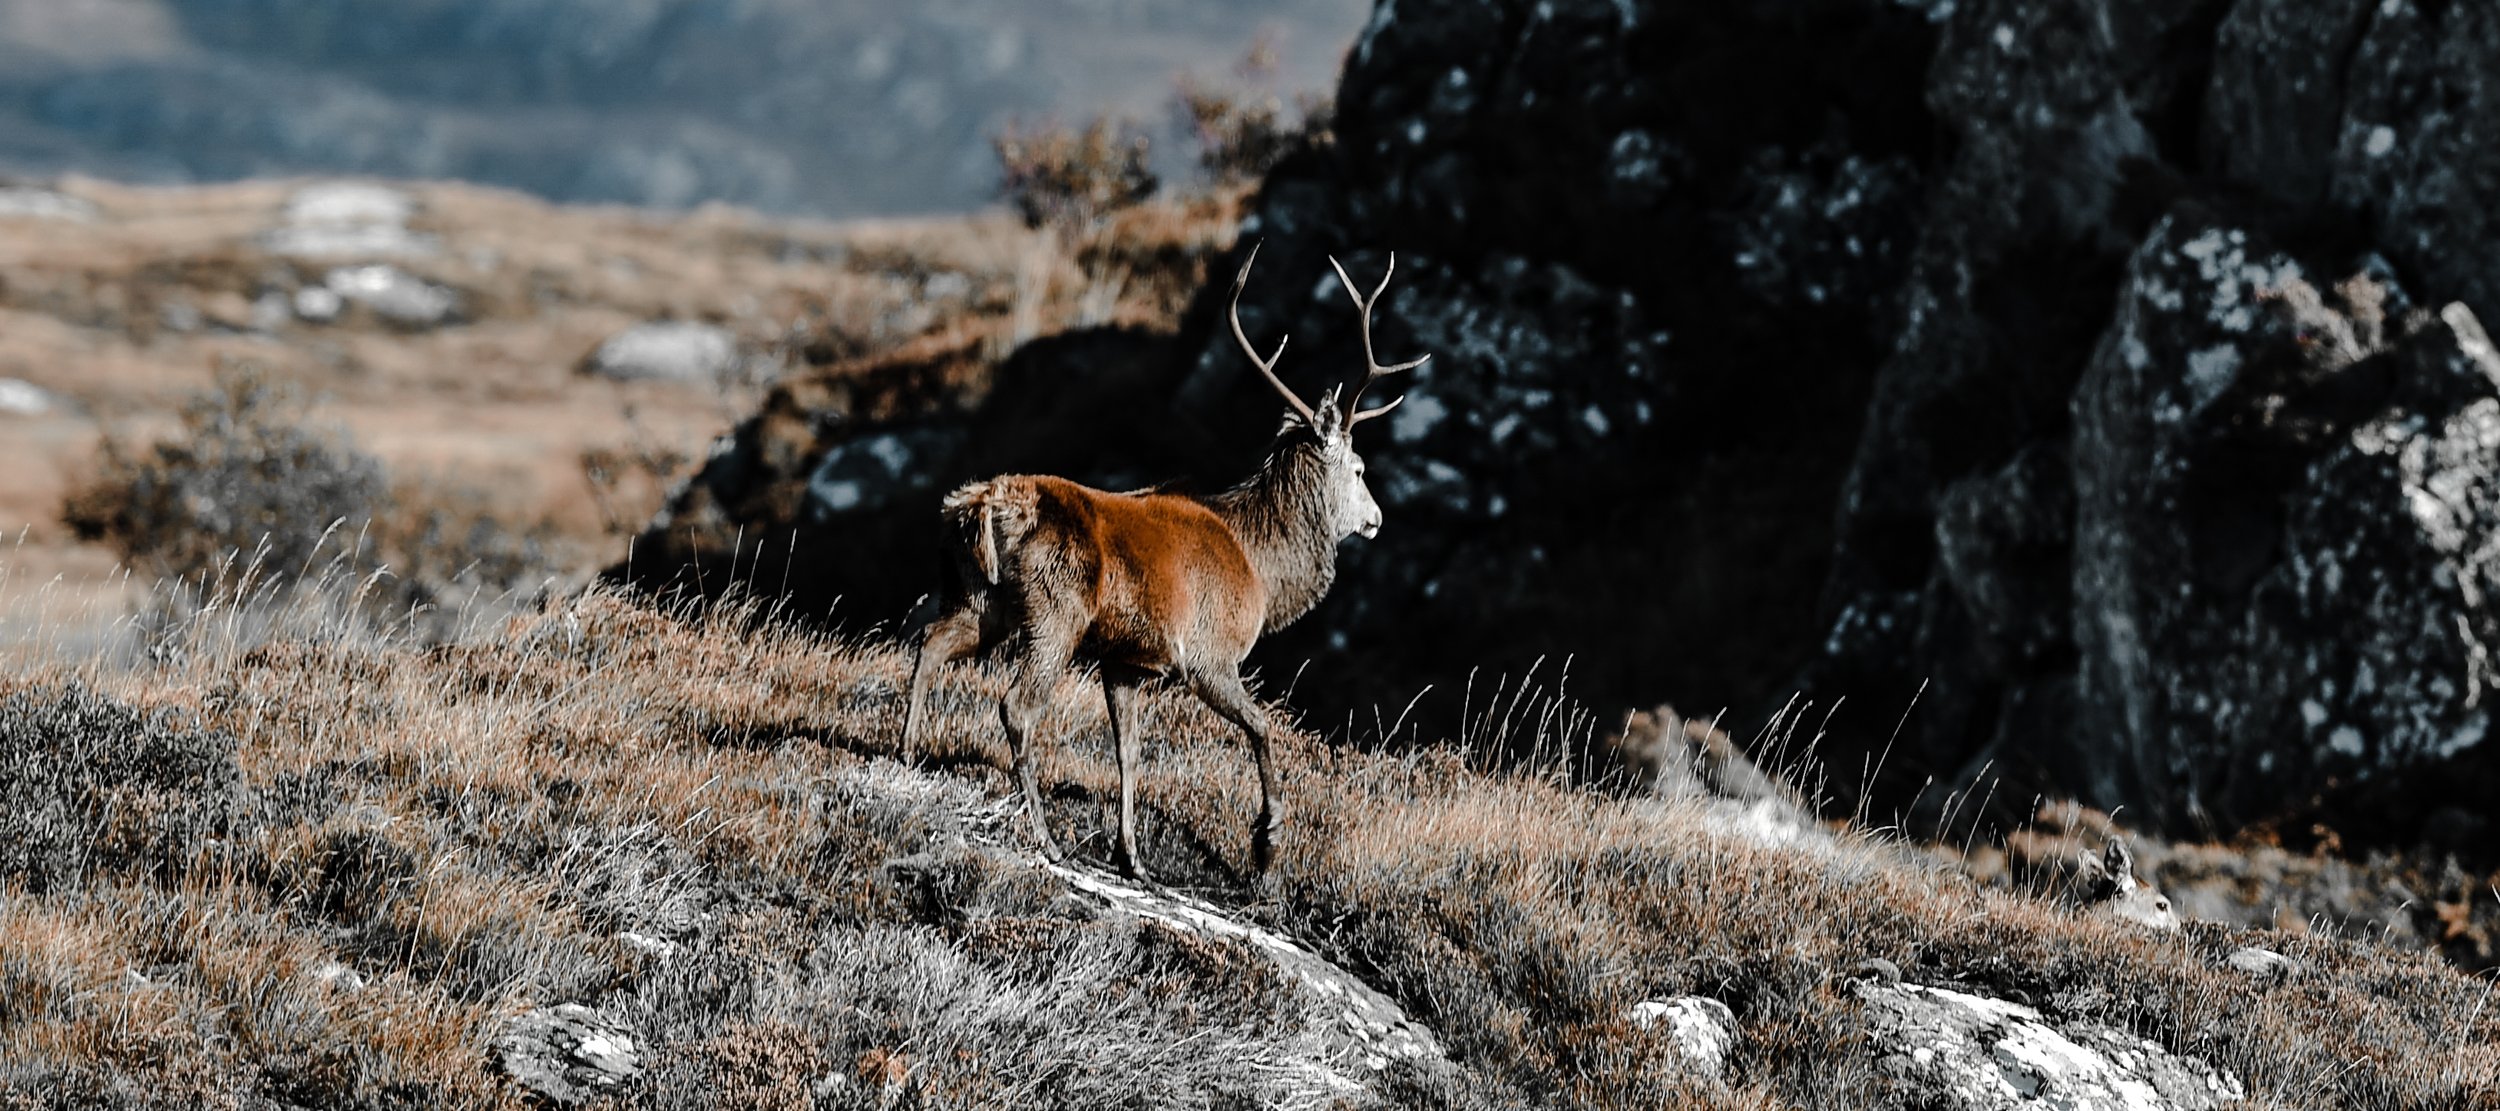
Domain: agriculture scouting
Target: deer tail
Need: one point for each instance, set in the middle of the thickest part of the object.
(991, 517)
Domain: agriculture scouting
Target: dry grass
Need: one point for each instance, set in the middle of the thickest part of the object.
(473, 828)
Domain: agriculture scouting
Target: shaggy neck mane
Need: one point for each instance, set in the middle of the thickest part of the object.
(1281, 515)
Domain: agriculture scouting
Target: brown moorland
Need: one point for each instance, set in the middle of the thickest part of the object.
(305, 860)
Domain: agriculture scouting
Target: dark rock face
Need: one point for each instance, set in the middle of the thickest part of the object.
(2112, 456)
(2283, 553)
(1654, 274)
(1653, 278)
(2110, 371)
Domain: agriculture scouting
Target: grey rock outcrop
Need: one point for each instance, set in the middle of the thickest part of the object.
(394, 295)
(668, 351)
(348, 219)
(1702, 1029)
(2128, 503)
(568, 1053)
(1372, 1029)
(2263, 965)
(26, 202)
(2287, 531)
(1951, 1049)
(19, 397)
(1364, 1030)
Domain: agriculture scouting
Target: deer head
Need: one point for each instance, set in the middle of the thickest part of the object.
(1348, 504)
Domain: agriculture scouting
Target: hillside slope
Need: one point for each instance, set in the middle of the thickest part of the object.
(318, 867)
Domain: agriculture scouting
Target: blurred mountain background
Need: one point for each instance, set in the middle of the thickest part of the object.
(788, 106)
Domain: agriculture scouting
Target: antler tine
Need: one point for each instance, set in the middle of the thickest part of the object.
(1374, 371)
(1267, 366)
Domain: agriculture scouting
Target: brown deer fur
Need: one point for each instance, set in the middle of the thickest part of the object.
(1046, 573)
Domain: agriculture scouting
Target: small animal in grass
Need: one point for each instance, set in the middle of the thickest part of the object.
(1045, 573)
(2081, 856)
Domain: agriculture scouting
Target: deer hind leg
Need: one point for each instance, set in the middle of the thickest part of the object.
(1028, 697)
(1224, 692)
(949, 638)
(1119, 690)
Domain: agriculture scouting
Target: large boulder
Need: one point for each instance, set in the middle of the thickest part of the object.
(667, 351)
(2287, 533)
(2077, 522)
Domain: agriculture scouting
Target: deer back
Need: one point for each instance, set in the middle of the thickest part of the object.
(1143, 579)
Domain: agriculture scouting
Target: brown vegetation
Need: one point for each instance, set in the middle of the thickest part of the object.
(383, 849)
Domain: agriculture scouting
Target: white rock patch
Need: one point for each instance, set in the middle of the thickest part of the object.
(24, 398)
(1703, 1029)
(1968, 1051)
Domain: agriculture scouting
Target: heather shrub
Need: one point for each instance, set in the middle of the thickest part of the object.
(88, 784)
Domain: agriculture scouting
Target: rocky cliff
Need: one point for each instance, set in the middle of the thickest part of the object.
(2111, 371)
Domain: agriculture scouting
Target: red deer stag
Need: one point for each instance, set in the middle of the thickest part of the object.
(1152, 584)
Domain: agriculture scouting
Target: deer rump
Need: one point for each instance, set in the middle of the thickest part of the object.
(1148, 578)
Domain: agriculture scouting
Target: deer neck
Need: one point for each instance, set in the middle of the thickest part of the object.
(1281, 518)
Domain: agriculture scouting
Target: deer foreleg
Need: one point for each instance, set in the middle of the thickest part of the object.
(1225, 693)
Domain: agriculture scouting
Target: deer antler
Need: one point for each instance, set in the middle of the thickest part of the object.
(1376, 372)
(1267, 366)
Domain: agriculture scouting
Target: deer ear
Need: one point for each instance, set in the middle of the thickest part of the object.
(2118, 861)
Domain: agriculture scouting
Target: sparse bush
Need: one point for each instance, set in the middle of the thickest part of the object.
(1070, 180)
(242, 477)
(1242, 132)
